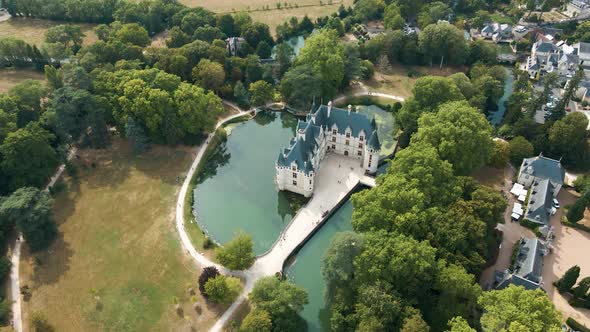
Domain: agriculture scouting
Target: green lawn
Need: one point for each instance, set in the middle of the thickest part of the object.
(117, 240)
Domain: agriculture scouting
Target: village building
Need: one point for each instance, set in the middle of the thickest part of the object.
(527, 270)
(497, 32)
(543, 177)
(326, 130)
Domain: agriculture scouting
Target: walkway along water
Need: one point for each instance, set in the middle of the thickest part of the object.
(337, 177)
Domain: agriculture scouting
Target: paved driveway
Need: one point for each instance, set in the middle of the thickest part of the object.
(571, 247)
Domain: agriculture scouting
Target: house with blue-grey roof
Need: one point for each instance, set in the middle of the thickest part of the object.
(527, 270)
(544, 178)
(326, 129)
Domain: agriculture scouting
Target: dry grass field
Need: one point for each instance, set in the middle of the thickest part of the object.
(274, 16)
(397, 80)
(32, 30)
(10, 78)
(117, 242)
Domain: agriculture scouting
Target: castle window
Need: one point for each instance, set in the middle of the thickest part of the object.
(333, 131)
(360, 145)
(370, 157)
(309, 181)
(369, 164)
(334, 146)
(294, 175)
(294, 168)
(295, 182)
(360, 153)
(346, 153)
(347, 142)
(333, 138)
(361, 138)
(347, 135)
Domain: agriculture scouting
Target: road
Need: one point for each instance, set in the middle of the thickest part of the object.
(17, 323)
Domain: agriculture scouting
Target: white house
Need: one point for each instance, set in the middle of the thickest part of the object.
(326, 130)
(497, 32)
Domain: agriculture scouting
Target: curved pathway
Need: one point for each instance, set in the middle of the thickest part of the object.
(342, 177)
(184, 238)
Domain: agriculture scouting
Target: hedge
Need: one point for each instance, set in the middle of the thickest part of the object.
(576, 326)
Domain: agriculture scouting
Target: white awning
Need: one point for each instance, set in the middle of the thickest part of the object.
(522, 198)
(518, 190)
(515, 216)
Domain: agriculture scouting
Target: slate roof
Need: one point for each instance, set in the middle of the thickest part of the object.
(301, 151)
(544, 168)
(540, 202)
(528, 267)
(546, 47)
(529, 262)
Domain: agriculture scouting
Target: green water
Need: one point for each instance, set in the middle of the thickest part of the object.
(305, 271)
(239, 193)
(385, 127)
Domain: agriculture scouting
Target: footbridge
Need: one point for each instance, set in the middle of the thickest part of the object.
(337, 178)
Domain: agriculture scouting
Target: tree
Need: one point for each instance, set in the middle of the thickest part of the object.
(27, 157)
(501, 154)
(324, 53)
(581, 291)
(135, 133)
(443, 41)
(459, 324)
(570, 91)
(392, 18)
(237, 254)
(31, 210)
(66, 35)
(520, 148)
(241, 95)
(460, 133)
(208, 272)
(7, 124)
(256, 321)
(568, 280)
(226, 23)
(300, 85)
(54, 77)
(434, 12)
(576, 211)
(284, 54)
(222, 289)
(415, 323)
(568, 138)
(515, 306)
(132, 33)
(177, 38)
(28, 96)
(257, 32)
(282, 300)
(261, 92)
(209, 75)
(399, 263)
(209, 34)
(338, 263)
(263, 50)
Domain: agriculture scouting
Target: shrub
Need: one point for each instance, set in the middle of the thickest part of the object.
(565, 283)
(208, 273)
(576, 326)
(222, 289)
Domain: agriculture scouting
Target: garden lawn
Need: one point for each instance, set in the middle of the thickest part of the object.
(32, 30)
(117, 241)
(10, 78)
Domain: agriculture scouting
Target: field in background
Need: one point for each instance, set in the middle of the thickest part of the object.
(10, 78)
(32, 30)
(117, 241)
(399, 80)
(274, 16)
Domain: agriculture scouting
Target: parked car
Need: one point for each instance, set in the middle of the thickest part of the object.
(556, 203)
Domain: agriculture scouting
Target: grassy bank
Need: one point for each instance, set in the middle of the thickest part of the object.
(117, 264)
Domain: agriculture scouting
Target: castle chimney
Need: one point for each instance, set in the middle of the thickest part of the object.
(329, 107)
(349, 108)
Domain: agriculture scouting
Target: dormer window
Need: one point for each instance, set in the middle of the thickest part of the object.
(334, 131)
(361, 138)
(294, 168)
(347, 135)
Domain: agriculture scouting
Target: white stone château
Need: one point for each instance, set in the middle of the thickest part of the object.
(326, 130)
